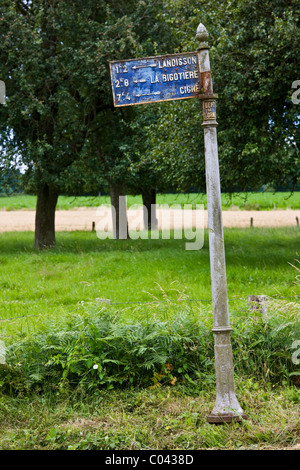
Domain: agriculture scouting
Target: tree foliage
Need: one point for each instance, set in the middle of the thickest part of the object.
(254, 59)
(60, 120)
(59, 115)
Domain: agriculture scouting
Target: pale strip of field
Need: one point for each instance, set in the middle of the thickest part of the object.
(83, 218)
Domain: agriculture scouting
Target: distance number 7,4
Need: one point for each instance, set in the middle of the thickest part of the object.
(126, 96)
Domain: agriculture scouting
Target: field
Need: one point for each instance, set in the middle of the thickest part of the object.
(109, 343)
(82, 268)
(248, 201)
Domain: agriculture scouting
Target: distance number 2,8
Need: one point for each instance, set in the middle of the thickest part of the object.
(121, 82)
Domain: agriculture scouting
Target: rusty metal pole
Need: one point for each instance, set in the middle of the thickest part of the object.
(227, 408)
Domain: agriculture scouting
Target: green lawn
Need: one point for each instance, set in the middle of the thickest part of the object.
(51, 397)
(250, 201)
(82, 268)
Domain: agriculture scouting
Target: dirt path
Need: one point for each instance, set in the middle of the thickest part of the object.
(83, 218)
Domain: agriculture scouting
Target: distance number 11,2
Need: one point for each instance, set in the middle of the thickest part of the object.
(121, 68)
(120, 82)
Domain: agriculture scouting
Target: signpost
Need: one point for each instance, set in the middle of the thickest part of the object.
(178, 77)
(153, 79)
(2, 92)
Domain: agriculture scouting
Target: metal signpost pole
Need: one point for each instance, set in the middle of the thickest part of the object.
(227, 408)
(2, 92)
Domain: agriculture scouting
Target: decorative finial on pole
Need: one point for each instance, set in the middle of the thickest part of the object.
(227, 408)
(202, 35)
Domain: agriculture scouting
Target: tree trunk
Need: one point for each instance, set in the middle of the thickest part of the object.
(149, 203)
(45, 218)
(119, 212)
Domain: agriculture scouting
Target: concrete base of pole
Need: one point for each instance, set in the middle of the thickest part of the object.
(222, 418)
(227, 408)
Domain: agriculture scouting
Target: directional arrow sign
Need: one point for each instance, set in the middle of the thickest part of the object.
(152, 79)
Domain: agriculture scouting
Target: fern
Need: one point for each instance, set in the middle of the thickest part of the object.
(100, 349)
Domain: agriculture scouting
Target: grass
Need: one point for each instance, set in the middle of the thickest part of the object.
(165, 418)
(165, 414)
(246, 201)
(46, 295)
(83, 268)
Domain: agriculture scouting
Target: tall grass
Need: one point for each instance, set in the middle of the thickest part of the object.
(158, 345)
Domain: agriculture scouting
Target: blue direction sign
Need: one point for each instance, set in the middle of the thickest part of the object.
(152, 79)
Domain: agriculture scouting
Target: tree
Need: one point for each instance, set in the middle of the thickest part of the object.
(254, 58)
(60, 116)
(114, 143)
(10, 179)
(259, 60)
(40, 121)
